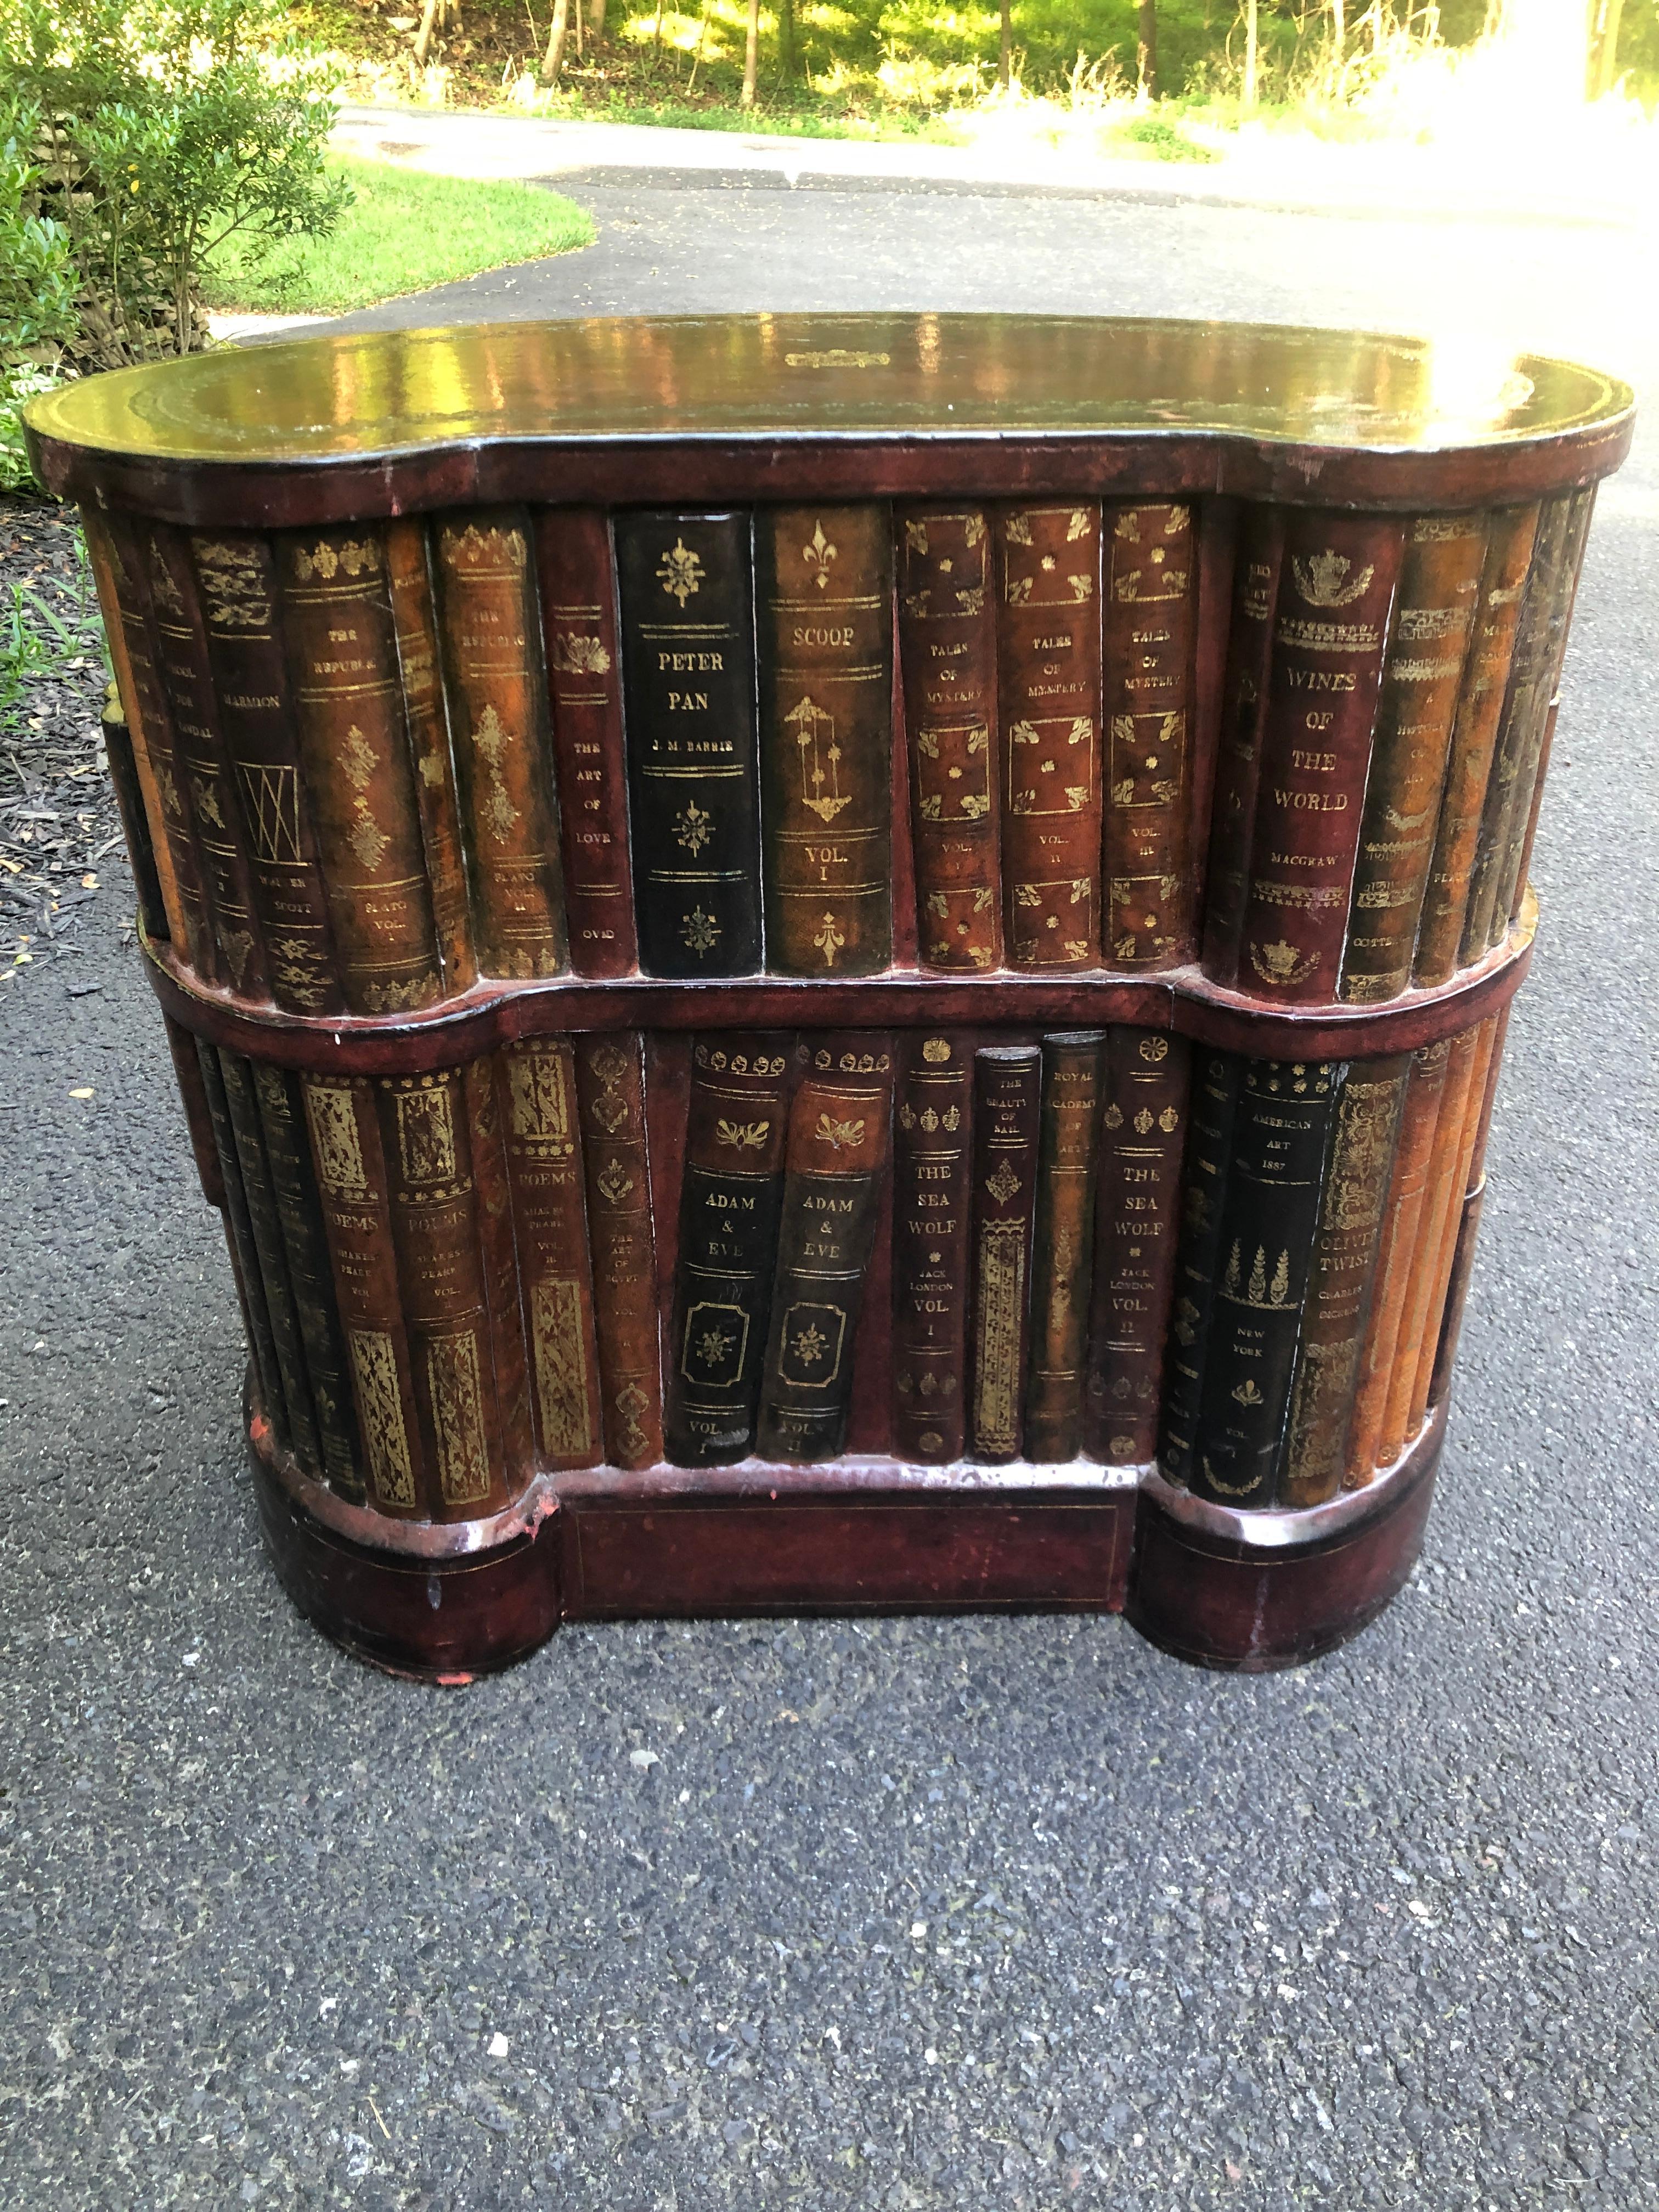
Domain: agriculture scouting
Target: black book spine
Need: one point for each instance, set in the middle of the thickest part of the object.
(239, 1225)
(731, 1200)
(298, 1210)
(687, 646)
(1204, 1186)
(1281, 1129)
(270, 1246)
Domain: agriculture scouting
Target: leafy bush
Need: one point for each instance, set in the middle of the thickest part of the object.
(158, 129)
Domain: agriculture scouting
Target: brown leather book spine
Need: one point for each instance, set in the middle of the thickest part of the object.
(824, 587)
(947, 654)
(1150, 621)
(1238, 751)
(1137, 1214)
(305, 1246)
(358, 776)
(349, 1161)
(1408, 1177)
(1467, 1224)
(1047, 612)
(1007, 1103)
(499, 1259)
(1335, 590)
(577, 574)
(492, 652)
(611, 1091)
(435, 1230)
(1446, 1235)
(123, 608)
(272, 1247)
(202, 761)
(932, 1190)
(244, 1250)
(1520, 811)
(1217, 528)
(550, 1208)
(1062, 1247)
(731, 1199)
(408, 578)
(1340, 1285)
(1510, 535)
(235, 581)
(135, 823)
(1419, 1316)
(1540, 640)
(835, 1167)
(1433, 620)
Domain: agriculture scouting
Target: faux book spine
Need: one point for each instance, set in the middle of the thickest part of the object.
(1281, 1126)
(730, 1203)
(932, 1185)
(837, 1153)
(1048, 603)
(579, 619)
(611, 1090)
(351, 1179)
(490, 629)
(1480, 698)
(200, 757)
(1143, 1137)
(236, 589)
(408, 577)
(359, 775)
(549, 1221)
(1433, 620)
(947, 654)
(1214, 1103)
(688, 640)
(1336, 588)
(111, 549)
(823, 584)
(1341, 1281)
(1007, 1101)
(1151, 626)
(1062, 1259)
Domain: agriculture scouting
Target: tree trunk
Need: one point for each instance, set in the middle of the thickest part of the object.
(1604, 47)
(423, 36)
(786, 39)
(1251, 50)
(1005, 49)
(751, 54)
(1146, 48)
(596, 20)
(553, 60)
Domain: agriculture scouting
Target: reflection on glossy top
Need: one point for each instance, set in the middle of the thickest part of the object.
(361, 395)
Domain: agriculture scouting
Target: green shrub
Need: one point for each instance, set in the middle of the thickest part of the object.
(154, 131)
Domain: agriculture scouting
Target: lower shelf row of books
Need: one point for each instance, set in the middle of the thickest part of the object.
(928, 1246)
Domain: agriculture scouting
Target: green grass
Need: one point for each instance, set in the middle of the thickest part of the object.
(403, 232)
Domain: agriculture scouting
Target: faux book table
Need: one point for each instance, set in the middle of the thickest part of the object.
(839, 963)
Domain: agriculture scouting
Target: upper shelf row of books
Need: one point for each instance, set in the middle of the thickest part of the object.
(383, 762)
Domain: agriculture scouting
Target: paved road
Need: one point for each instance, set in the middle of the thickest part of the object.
(956, 1914)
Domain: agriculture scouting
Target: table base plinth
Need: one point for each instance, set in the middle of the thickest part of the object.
(1250, 1591)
